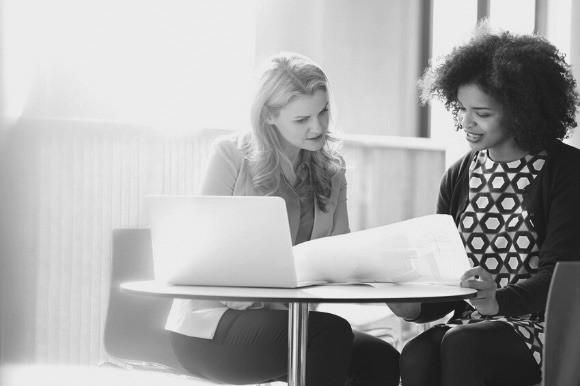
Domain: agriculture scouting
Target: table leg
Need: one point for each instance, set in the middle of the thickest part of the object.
(297, 342)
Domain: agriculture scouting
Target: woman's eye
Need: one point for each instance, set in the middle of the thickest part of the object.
(482, 115)
(301, 120)
(323, 112)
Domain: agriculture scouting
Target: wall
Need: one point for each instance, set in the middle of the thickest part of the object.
(368, 48)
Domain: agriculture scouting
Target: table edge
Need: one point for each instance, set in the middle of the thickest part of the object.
(286, 299)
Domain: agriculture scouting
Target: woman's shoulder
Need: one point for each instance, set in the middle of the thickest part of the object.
(564, 157)
(231, 145)
(562, 151)
(231, 141)
(460, 166)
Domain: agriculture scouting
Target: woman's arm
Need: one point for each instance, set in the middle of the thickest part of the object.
(562, 241)
(219, 179)
(222, 169)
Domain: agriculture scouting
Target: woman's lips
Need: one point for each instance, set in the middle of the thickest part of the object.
(316, 138)
(472, 137)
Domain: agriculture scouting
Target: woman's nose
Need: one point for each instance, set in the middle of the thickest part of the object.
(465, 119)
(316, 126)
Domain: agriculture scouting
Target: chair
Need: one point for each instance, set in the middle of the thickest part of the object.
(562, 341)
(134, 329)
(135, 336)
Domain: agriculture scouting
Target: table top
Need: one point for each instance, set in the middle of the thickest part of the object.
(350, 293)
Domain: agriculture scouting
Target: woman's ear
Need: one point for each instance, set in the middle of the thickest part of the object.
(270, 116)
(270, 119)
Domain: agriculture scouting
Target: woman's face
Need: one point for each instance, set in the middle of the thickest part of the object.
(481, 117)
(303, 122)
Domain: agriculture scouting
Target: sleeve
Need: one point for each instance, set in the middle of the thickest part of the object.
(340, 220)
(219, 179)
(444, 196)
(562, 242)
(222, 169)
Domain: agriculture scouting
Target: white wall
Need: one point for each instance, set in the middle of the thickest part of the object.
(369, 49)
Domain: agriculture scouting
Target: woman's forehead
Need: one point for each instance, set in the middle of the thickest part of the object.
(306, 104)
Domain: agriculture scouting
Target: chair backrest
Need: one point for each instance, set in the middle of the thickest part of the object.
(562, 342)
(134, 328)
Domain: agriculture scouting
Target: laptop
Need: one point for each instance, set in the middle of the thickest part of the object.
(222, 241)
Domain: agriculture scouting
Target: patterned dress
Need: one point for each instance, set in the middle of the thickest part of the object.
(499, 235)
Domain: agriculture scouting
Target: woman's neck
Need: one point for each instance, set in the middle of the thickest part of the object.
(506, 156)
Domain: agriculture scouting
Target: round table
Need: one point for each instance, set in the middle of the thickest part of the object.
(298, 300)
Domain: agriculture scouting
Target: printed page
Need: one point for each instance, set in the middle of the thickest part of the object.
(425, 249)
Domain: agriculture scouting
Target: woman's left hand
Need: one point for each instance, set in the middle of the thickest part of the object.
(485, 302)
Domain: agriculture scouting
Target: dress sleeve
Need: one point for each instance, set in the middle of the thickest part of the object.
(561, 243)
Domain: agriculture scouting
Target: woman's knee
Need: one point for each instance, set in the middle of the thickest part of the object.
(330, 327)
(422, 354)
(462, 341)
(425, 345)
(375, 350)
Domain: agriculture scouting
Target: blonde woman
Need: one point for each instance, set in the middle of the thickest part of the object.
(289, 152)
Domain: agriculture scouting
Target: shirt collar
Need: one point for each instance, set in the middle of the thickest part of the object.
(303, 168)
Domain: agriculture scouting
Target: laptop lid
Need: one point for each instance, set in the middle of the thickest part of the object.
(221, 240)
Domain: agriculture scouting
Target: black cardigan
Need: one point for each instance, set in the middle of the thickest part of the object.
(553, 202)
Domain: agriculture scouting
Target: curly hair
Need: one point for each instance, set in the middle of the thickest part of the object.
(526, 74)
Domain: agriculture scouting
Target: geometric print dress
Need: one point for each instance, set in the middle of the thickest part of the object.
(499, 235)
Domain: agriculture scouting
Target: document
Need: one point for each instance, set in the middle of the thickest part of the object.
(425, 250)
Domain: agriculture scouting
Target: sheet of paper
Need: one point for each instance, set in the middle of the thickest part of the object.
(423, 249)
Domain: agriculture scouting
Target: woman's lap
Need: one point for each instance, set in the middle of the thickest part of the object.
(252, 346)
(483, 353)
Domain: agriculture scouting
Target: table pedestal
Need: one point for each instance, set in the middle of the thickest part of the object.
(297, 343)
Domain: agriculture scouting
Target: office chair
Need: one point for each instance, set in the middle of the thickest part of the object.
(135, 335)
(562, 342)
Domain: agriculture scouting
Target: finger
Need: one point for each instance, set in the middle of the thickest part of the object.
(484, 275)
(477, 272)
(484, 295)
(477, 284)
(470, 273)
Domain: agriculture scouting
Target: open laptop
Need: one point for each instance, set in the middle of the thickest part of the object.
(222, 241)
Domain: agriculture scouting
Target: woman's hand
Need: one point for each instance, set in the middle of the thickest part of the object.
(481, 280)
(407, 311)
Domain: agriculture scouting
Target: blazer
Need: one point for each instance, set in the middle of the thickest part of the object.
(553, 203)
(227, 174)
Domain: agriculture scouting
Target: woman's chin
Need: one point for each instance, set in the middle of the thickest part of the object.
(313, 144)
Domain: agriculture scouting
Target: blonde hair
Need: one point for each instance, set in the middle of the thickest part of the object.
(284, 77)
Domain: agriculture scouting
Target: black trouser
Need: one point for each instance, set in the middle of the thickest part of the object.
(251, 346)
(484, 353)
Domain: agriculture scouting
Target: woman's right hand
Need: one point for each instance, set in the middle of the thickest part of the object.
(407, 311)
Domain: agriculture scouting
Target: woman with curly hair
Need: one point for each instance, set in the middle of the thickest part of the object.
(289, 152)
(515, 198)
